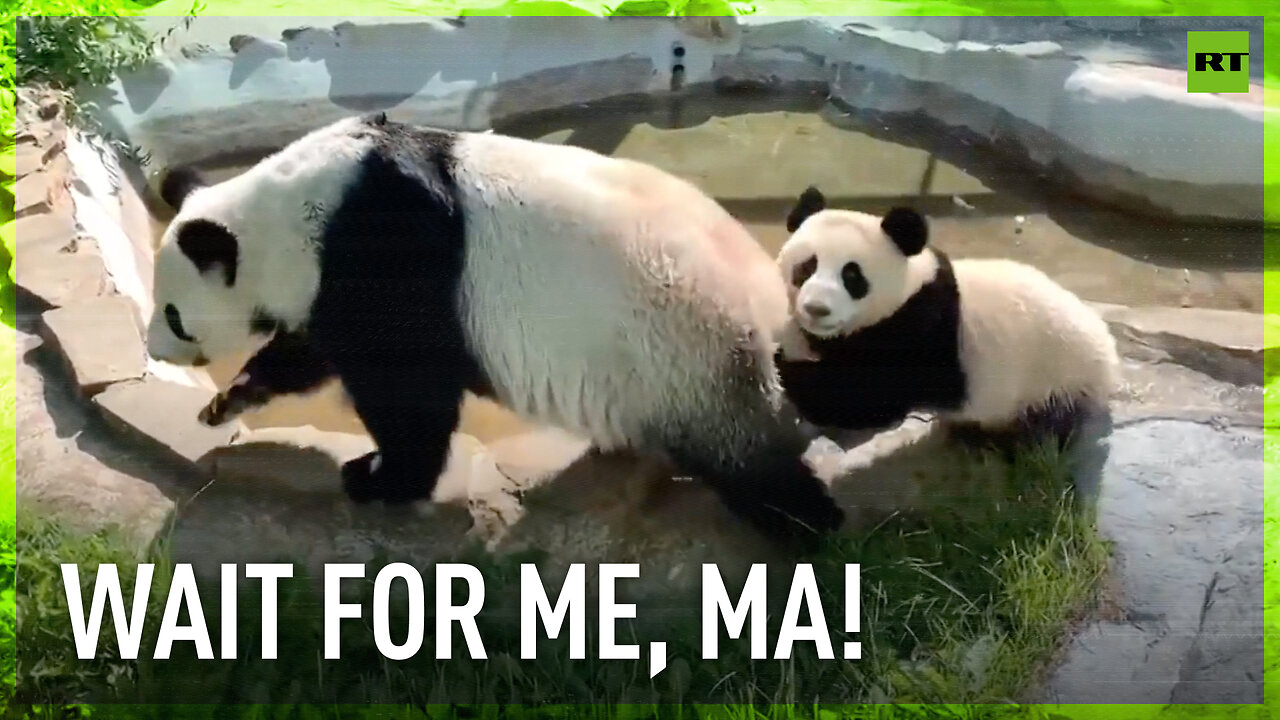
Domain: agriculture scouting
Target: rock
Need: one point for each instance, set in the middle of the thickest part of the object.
(68, 469)
(299, 458)
(192, 51)
(1238, 332)
(32, 193)
(100, 341)
(62, 279)
(49, 110)
(46, 232)
(1182, 502)
(531, 456)
(162, 415)
(31, 157)
(309, 460)
(1226, 345)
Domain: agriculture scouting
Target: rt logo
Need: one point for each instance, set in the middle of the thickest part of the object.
(1217, 62)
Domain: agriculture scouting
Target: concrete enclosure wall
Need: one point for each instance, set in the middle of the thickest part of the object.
(1099, 102)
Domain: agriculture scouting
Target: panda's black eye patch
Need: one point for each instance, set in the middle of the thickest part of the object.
(855, 283)
(172, 317)
(801, 272)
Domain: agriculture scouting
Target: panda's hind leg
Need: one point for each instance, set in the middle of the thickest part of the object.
(1054, 422)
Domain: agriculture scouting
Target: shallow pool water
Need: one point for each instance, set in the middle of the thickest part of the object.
(756, 154)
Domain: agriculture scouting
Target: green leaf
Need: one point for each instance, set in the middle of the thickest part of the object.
(634, 8)
(708, 8)
(9, 235)
(530, 8)
(9, 161)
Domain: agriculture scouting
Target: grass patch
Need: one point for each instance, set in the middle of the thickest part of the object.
(964, 603)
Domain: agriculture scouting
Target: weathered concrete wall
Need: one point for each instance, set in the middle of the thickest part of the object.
(1099, 103)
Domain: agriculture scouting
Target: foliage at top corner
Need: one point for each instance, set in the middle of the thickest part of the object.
(649, 8)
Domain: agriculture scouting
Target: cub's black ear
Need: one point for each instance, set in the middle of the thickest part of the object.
(376, 119)
(907, 229)
(211, 248)
(179, 183)
(810, 202)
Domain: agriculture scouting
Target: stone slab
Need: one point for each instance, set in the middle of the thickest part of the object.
(32, 194)
(1182, 501)
(62, 279)
(46, 232)
(163, 416)
(1231, 330)
(534, 455)
(100, 341)
(299, 458)
(31, 157)
(307, 459)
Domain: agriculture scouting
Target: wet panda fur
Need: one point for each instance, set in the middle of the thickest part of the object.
(595, 294)
(883, 325)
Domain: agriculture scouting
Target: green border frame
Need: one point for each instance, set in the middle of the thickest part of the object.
(1271, 64)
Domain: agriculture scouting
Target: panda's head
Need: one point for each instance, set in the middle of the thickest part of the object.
(204, 307)
(239, 259)
(848, 270)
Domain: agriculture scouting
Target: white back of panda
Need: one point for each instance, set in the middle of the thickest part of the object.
(663, 269)
(1025, 338)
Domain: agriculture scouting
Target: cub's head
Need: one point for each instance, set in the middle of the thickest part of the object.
(848, 270)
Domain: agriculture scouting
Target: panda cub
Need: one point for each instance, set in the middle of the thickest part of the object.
(883, 325)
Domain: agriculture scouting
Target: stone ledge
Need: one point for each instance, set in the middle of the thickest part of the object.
(162, 416)
(99, 340)
(1225, 344)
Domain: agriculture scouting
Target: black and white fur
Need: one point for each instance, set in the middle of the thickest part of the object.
(595, 294)
(883, 325)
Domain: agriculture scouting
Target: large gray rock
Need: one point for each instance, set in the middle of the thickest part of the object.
(1182, 501)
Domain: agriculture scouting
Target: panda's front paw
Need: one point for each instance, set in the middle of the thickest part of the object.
(368, 478)
(215, 413)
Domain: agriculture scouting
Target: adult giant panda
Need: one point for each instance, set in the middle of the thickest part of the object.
(596, 294)
(883, 325)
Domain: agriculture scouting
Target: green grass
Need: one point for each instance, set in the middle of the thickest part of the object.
(960, 603)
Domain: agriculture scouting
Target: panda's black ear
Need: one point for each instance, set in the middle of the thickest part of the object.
(376, 119)
(810, 202)
(211, 248)
(907, 229)
(179, 183)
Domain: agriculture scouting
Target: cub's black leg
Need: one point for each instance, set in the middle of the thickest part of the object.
(832, 395)
(285, 365)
